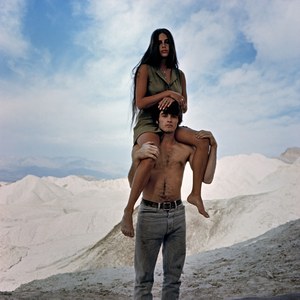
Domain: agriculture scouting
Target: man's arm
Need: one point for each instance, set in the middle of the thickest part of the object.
(212, 155)
(148, 150)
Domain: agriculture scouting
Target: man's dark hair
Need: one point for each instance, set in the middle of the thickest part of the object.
(174, 109)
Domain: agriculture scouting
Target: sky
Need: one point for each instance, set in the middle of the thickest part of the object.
(66, 74)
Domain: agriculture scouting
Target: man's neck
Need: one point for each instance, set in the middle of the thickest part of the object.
(168, 138)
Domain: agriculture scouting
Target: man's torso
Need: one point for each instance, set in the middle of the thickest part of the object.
(166, 177)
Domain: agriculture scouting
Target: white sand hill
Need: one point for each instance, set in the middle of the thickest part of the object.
(52, 226)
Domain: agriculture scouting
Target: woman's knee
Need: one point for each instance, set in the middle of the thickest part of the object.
(202, 144)
(152, 138)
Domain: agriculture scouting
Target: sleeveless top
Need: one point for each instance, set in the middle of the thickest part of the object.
(156, 84)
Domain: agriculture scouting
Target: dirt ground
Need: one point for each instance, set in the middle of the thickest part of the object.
(267, 267)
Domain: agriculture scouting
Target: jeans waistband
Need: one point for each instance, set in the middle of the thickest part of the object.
(163, 205)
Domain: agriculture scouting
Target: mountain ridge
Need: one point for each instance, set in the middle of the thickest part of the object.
(77, 218)
(15, 168)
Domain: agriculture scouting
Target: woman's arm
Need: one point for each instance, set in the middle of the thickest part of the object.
(141, 100)
(184, 92)
(174, 96)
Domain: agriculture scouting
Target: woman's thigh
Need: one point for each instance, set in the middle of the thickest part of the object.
(148, 137)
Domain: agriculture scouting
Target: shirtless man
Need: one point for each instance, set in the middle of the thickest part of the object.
(161, 217)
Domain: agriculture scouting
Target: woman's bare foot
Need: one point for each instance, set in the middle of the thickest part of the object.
(127, 224)
(197, 201)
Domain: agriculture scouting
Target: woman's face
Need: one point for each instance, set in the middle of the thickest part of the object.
(164, 46)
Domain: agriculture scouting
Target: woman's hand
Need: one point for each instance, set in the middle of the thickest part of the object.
(202, 134)
(183, 105)
(165, 103)
(180, 99)
(174, 96)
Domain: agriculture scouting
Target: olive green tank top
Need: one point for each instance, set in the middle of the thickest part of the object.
(157, 83)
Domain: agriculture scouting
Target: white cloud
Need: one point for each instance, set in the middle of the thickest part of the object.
(12, 41)
(250, 106)
(273, 27)
(203, 41)
(84, 107)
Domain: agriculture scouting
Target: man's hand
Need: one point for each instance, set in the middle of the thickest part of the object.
(202, 134)
(148, 150)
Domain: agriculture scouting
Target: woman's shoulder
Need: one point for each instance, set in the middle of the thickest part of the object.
(180, 72)
(150, 70)
(146, 67)
(181, 76)
(143, 68)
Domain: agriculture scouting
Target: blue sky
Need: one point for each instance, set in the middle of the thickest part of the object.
(65, 74)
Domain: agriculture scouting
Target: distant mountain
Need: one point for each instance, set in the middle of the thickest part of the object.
(231, 220)
(13, 169)
(291, 154)
(53, 225)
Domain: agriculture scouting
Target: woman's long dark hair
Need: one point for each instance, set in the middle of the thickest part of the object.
(152, 57)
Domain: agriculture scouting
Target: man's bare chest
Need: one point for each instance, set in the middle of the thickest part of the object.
(170, 159)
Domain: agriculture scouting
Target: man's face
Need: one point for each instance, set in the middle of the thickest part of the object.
(167, 122)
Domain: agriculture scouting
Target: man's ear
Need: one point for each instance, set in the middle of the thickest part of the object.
(156, 122)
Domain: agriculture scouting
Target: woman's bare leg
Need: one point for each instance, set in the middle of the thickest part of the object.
(187, 136)
(139, 181)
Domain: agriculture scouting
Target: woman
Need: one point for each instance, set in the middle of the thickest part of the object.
(158, 81)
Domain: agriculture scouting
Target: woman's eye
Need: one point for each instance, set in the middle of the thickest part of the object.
(163, 42)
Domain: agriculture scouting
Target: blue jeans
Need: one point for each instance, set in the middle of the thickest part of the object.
(156, 227)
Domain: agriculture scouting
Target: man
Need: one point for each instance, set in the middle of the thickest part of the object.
(161, 217)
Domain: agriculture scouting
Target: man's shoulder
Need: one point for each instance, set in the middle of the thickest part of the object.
(184, 148)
